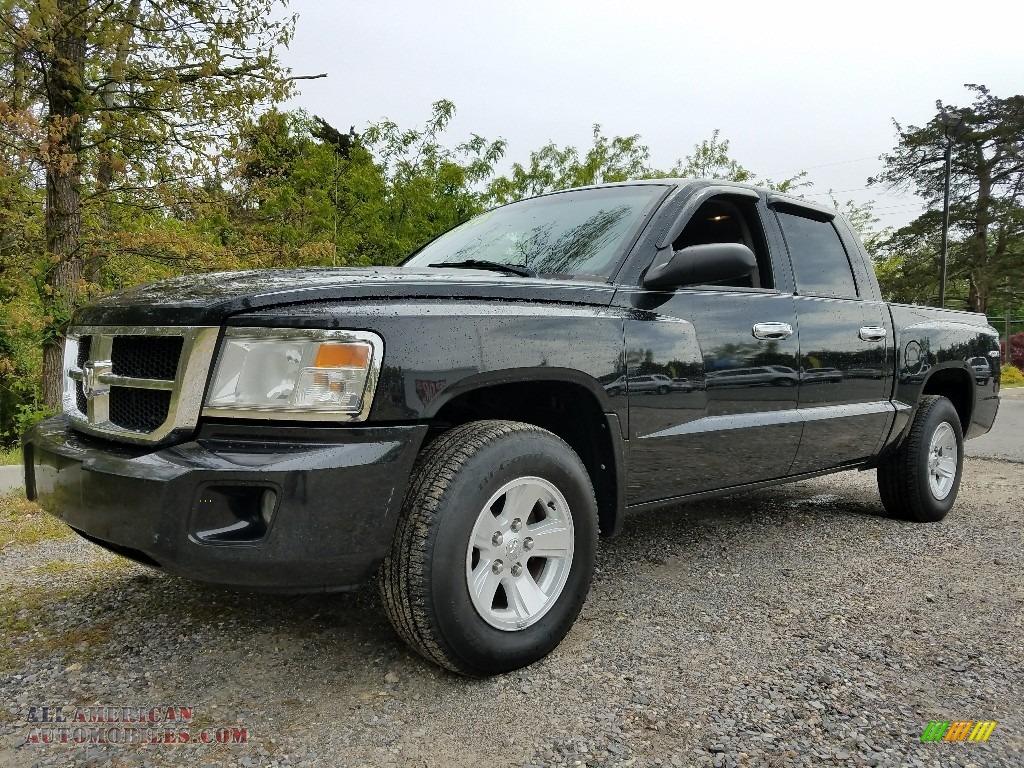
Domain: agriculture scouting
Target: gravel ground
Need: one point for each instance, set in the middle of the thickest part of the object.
(793, 626)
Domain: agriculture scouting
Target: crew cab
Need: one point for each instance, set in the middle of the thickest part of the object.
(463, 426)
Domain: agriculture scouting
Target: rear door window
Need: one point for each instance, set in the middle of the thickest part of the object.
(821, 265)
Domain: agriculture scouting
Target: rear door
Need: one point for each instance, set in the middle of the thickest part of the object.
(844, 343)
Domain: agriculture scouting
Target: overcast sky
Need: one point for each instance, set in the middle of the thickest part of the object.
(792, 85)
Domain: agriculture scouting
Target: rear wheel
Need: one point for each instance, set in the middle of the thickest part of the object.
(494, 552)
(920, 480)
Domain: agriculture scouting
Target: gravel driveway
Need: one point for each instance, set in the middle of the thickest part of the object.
(793, 626)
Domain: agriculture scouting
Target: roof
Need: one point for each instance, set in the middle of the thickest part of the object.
(770, 195)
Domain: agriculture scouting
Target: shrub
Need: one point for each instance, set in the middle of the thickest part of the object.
(1011, 376)
(1016, 349)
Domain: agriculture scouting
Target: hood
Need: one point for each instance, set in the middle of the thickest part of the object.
(209, 299)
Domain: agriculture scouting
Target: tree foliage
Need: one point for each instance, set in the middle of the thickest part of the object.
(552, 167)
(113, 107)
(711, 159)
(298, 192)
(986, 251)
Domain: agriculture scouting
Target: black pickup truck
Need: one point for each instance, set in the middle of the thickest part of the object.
(466, 424)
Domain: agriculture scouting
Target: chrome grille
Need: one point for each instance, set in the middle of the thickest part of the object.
(136, 384)
(84, 343)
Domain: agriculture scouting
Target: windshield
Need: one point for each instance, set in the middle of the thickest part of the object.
(583, 232)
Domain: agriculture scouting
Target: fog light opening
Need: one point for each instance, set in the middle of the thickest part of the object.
(233, 514)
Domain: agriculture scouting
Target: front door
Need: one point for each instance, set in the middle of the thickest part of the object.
(731, 352)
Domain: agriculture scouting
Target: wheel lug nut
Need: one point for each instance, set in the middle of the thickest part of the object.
(496, 539)
(517, 524)
(517, 570)
(497, 566)
(528, 543)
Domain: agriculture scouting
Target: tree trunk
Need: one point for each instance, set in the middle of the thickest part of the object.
(105, 161)
(65, 73)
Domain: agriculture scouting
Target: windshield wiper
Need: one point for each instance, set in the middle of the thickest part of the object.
(494, 266)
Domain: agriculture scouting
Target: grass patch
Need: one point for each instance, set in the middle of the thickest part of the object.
(10, 455)
(25, 613)
(26, 623)
(55, 568)
(22, 522)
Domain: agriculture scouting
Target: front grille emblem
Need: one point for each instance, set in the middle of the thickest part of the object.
(91, 372)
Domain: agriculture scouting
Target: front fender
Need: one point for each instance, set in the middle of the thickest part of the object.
(435, 350)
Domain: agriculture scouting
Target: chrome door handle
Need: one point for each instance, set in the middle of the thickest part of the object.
(872, 333)
(772, 331)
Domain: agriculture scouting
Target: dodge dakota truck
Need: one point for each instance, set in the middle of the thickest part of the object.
(463, 426)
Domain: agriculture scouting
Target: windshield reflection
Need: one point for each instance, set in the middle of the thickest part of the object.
(575, 233)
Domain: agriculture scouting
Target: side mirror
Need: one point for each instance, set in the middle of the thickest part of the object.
(702, 264)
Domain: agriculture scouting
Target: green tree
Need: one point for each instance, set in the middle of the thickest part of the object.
(986, 193)
(427, 187)
(621, 158)
(281, 193)
(865, 223)
(116, 104)
(711, 160)
(906, 261)
(299, 192)
(552, 167)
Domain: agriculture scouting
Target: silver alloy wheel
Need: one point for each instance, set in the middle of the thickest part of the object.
(520, 553)
(942, 461)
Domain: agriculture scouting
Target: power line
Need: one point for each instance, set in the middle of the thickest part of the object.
(838, 191)
(905, 206)
(826, 165)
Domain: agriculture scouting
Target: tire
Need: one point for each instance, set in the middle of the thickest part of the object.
(920, 480)
(457, 583)
(784, 383)
(663, 390)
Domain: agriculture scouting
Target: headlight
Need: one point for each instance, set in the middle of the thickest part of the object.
(284, 373)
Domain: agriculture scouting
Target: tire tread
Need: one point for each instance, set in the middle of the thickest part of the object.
(403, 584)
(898, 484)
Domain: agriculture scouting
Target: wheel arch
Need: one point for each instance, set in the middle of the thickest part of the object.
(568, 404)
(955, 383)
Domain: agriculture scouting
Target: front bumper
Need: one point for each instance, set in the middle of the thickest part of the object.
(313, 509)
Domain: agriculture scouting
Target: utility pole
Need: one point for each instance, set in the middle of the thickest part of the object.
(945, 225)
(953, 127)
(1006, 335)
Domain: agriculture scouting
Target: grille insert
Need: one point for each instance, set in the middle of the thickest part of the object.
(141, 410)
(146, 357)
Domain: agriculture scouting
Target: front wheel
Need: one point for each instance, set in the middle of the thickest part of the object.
(920, 480)
(494, 552)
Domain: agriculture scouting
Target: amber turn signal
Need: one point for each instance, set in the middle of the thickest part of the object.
(342, 356)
